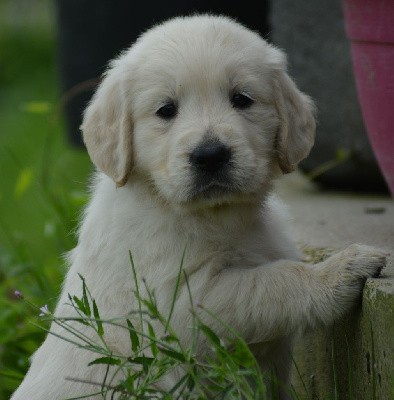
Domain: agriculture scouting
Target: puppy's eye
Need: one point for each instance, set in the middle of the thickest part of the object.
(241, 100)
(167, 111)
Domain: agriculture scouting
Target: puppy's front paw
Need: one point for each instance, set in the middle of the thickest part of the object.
(354, 264)
(361, 262)
(345, 273)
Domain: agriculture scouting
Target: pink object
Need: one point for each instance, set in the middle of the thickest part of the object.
(370, 28)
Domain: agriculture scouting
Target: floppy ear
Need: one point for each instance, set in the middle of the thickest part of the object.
(296, 133)
(107, 129)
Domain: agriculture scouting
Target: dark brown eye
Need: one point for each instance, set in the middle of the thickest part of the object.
(167, 111)
(241, 101)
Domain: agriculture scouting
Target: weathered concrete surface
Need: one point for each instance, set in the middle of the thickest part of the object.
(355, 358)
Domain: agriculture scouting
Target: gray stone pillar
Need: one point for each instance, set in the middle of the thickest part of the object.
(312, 34)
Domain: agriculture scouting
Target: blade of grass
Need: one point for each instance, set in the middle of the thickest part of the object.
(175, 290)
(133, 336)
(106, 361)
(100, 329)
(85, 297)
(138, 295)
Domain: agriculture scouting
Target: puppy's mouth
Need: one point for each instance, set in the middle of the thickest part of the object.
(212, 188)
(220, 186)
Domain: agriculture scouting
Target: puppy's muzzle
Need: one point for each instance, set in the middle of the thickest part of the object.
(210, 158)
(211, 162)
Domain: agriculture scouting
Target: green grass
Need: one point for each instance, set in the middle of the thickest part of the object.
(230, 372)
(42, 183)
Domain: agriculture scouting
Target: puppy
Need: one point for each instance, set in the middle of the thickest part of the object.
(188, 130)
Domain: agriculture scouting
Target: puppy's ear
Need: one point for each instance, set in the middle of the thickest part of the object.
(297, 123)
(107, 129)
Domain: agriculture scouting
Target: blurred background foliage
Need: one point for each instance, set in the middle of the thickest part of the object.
(42, 180)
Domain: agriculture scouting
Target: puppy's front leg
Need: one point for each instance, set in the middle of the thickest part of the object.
(278, 299)
(269, 304)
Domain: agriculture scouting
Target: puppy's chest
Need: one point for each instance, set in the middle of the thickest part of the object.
(194, 254)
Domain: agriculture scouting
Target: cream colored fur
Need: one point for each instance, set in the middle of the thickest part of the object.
(241, 263)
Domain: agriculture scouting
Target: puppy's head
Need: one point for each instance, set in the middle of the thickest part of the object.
(202, 109)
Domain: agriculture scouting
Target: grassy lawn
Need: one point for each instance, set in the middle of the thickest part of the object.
(42, 178)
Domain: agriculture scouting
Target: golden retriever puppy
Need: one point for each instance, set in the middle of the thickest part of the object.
(188, 130)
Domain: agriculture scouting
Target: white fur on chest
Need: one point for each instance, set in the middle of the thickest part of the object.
(129, 219)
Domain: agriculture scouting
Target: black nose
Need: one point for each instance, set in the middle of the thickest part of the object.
(210, 157)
